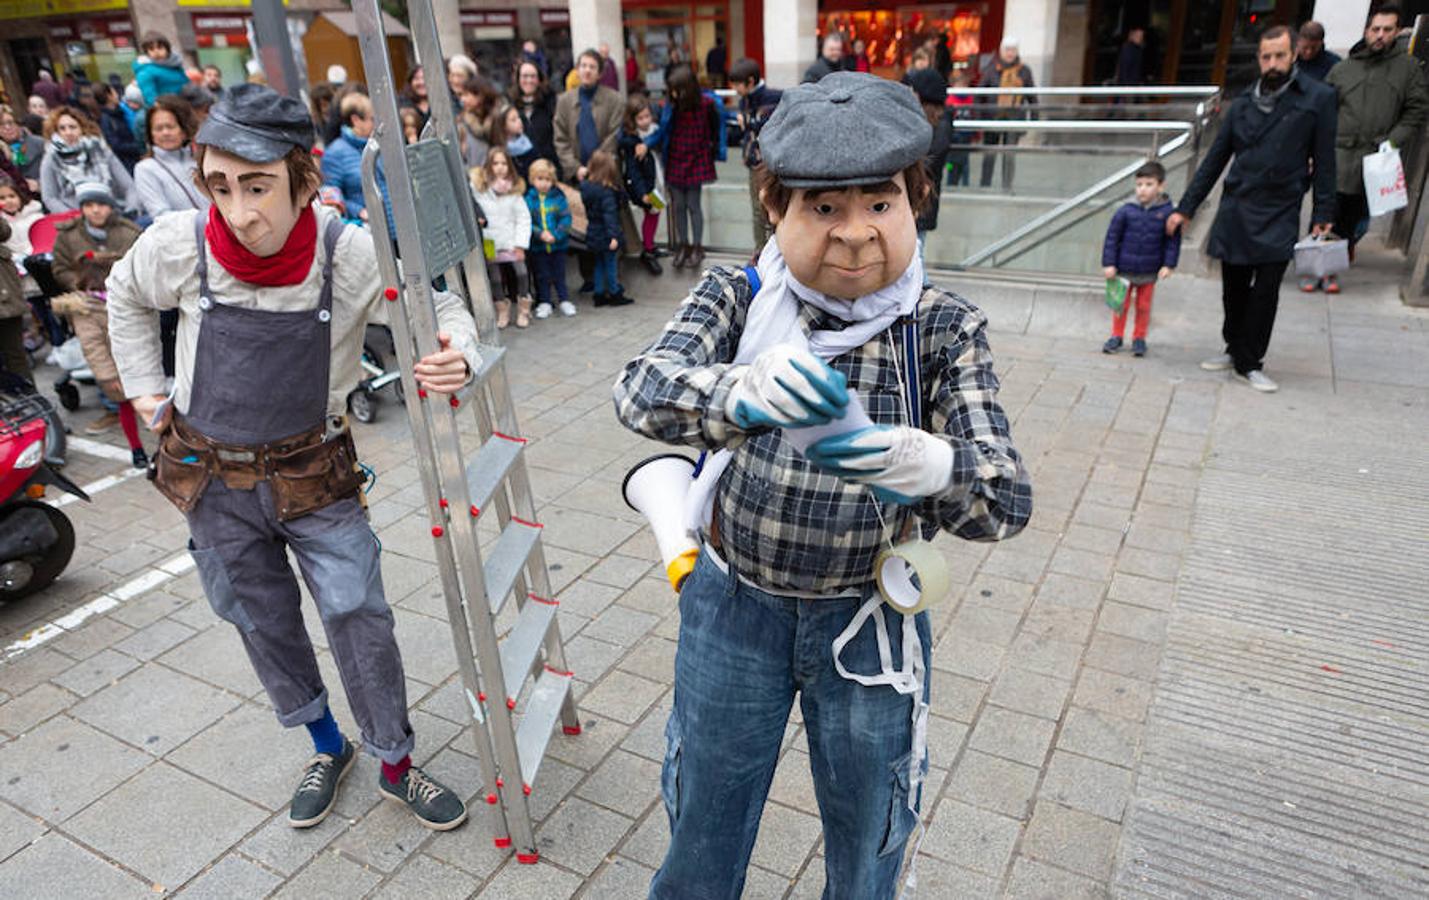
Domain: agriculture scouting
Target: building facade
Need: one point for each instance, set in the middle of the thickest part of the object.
(1062, 41)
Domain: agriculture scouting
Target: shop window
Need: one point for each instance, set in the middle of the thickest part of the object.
(891, 35)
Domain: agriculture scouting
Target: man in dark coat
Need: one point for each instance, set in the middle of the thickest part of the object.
(831, 58)
(1382, 97)
(1280, 132)
(1131, 60)
(1314, 60)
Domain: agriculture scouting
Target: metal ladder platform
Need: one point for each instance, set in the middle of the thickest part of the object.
(425, 233)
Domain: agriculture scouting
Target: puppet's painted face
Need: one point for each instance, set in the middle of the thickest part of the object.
(848, 243)
(253, 198)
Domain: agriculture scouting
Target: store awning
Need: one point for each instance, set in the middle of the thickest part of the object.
(346, 22)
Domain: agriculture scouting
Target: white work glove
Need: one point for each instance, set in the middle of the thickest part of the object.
(901, 464)
(787, 387)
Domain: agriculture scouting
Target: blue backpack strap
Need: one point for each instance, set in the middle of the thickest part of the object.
(752, 274)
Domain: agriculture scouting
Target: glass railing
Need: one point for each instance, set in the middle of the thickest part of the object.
(1030, 188)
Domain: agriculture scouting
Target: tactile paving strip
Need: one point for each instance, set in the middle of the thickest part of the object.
(1286, 752)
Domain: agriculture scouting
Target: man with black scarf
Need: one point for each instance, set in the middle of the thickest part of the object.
(1281, 133)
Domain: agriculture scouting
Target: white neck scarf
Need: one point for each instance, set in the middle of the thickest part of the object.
(773, 318)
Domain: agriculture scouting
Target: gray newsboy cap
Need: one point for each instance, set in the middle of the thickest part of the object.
(257, 123)
(847, 129)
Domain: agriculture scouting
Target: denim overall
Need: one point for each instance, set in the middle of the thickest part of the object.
(260, 377)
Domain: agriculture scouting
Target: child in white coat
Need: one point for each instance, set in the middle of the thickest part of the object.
(501, 194)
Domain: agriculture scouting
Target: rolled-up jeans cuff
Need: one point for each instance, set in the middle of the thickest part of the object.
(395, 754)
(308, 712)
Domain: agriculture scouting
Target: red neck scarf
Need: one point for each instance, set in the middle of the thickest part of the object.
(288, 266)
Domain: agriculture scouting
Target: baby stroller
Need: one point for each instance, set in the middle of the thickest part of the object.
(377, 348)
(66, 354)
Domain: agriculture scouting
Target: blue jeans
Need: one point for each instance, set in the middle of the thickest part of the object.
(742, 655)
(607, 272)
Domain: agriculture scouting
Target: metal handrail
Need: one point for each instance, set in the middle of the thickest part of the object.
(1070, 204)
(1133, 126)
(1198, 90)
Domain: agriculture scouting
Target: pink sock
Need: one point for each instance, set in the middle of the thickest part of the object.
(647, 229)
(393, 772)
(130, 424)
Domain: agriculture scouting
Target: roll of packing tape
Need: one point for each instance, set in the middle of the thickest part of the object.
(912, 576)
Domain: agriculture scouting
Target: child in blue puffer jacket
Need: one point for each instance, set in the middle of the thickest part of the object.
(1138, 249)
(550, 234)
(158, 71)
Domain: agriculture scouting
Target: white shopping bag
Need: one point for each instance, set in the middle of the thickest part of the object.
(1317, 257)
(1384, 186)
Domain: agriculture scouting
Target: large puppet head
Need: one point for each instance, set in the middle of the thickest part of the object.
(843, 181)
(255, 162)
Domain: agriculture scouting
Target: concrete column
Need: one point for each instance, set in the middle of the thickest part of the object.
(1034, 24)
(157, 15)
(596, 22)
(448, 18)
(791, 29)
(1343, 21)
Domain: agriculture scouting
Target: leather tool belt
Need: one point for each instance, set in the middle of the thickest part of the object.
(304, 472)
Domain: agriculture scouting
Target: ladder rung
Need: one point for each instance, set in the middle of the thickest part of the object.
(519, 649)
(506, 559)
(542, 711)
(491, 356)
(492, 463)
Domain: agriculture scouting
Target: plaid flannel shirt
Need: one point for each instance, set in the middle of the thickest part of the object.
(786, 526)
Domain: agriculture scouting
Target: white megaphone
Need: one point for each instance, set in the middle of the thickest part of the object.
(656, 489)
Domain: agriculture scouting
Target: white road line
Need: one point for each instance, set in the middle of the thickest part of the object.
(170, 568)
(98, 448)
(95, 487)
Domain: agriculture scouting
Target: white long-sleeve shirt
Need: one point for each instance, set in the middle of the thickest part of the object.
(158, 273)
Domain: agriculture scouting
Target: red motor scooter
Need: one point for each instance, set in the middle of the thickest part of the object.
(36, 539)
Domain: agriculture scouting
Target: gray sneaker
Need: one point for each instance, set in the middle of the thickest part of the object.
(1218, 363)
(1259, 380)
(434, 805)
(317, 792)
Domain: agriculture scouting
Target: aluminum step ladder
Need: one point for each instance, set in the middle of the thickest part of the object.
(437, 240)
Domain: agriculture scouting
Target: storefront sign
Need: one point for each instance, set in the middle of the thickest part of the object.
(227, 3)
(91, 29)
(27, 9)
(220, 24)
(555, 17)
(489, 17)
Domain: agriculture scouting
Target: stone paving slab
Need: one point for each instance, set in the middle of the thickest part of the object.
(1128, 698)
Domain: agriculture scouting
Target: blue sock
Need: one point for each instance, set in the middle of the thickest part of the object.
(327, 738)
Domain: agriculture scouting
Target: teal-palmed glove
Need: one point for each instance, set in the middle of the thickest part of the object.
(901, 464)
(787, 387)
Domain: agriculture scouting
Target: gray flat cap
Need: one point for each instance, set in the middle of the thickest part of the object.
(257, 123)
(847, 129)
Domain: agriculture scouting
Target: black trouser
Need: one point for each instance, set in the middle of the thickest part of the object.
(1250, 295)
(989, 160)
(1350, 210)
(13, 357)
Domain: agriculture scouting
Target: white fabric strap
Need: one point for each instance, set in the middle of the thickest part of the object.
(908, 679)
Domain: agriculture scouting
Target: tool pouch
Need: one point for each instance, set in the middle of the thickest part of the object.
(309, 478)
(182, 470)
